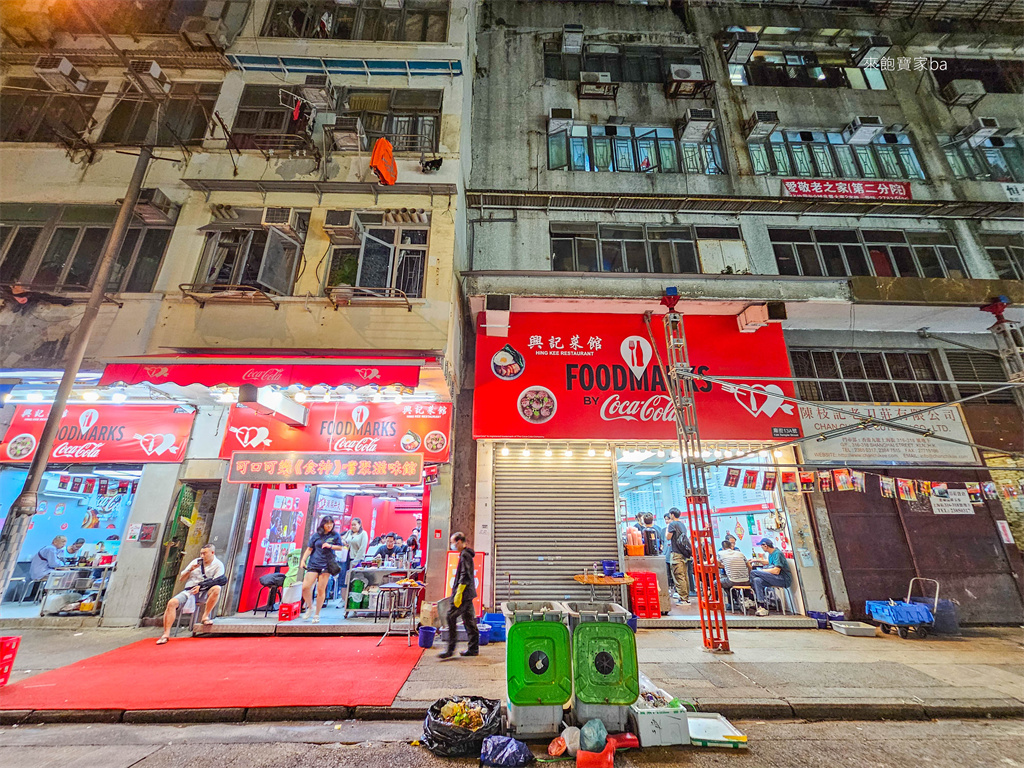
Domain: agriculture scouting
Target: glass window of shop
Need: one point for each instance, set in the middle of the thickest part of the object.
(650, 481)
(282, 520)
(80, 502)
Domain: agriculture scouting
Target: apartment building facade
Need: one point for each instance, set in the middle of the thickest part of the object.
(834, 194)
(272, 294)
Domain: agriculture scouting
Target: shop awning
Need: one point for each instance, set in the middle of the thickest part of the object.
(235, 370)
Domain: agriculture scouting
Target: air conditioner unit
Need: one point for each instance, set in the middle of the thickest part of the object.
(681, 73)
(741, 46)
(392, 5)
(1010, 133)
(979, 130)
(761, 125)
(863, 130)
(343, 227)
(572, 38)
(281, 219)
(150, 74)
(594, 78)
(696, 125)
(154, 207)
(60, 74)
(965, 93)
(752, 318)
(348, 134)
(319, 92)
(203, 32)
(560, 120)
(873, 50)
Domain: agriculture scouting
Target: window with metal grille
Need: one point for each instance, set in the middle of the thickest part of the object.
(853, 252)
(780, 68)
(631, 149)
(31, 112)
(965, 366)
(267, 119)
(1007, 254)
(856, 377)
(387, 257)
(184, 115)
(424, 21)
(826, 155)
(997, 158)
(409, 118)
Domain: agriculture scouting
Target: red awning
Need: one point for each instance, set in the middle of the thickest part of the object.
(234, 370)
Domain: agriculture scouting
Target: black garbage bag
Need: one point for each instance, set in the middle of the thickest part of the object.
(447, 740)
(505, 752)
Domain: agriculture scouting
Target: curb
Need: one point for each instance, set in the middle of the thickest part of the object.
(734, 709)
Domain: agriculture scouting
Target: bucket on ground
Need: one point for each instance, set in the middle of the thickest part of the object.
(485, 633)
(427, 635)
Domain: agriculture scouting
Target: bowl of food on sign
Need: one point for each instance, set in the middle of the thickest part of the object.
(537, 404)
(21, 446)
(435, 441)
(508, 364)
(410, 441)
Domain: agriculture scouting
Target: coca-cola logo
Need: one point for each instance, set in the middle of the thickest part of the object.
(266, 375)
(363, 445)
(654, 408)
(71, 451)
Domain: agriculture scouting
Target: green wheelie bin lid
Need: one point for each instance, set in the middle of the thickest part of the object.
(604, 661)
(538, 663)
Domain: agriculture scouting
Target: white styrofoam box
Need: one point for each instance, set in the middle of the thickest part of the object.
(534, 721)
(854, 628)
(614, 717)
(660, 726)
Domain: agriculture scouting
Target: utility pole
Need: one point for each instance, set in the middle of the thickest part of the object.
(12, 537)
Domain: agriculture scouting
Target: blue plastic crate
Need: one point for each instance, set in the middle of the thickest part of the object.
(899, 614)
(497, 622)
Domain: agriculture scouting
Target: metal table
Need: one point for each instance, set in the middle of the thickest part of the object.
(75, 578)
(374, 576)
(600, 580)
(399, 598)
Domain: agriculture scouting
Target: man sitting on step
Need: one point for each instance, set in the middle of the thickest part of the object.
(203, 579)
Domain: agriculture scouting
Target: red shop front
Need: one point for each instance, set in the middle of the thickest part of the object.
(577, 425)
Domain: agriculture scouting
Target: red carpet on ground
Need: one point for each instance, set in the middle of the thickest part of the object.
(192, 673)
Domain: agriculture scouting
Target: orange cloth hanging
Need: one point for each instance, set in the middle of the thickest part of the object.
(382, 162)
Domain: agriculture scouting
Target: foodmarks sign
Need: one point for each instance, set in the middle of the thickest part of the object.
(597, 377)
(135, 434)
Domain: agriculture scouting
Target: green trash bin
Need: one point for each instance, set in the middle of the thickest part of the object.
(604, 663)
(539, 664)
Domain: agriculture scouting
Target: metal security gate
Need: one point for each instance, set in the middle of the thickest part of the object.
(553, 516)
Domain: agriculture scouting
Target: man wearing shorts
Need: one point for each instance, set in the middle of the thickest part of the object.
(200, 575)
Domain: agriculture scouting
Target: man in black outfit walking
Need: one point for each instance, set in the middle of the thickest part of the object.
(464, 590)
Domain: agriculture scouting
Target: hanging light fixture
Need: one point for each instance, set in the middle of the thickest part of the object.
(591, 452)
(779, 453)
(568, 451)
(300, 396)
(547, 452)
(607, 452)
(661, 452)
(526, 451)
(504, 450)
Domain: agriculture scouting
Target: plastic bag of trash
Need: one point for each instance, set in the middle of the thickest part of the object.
(572, 740)
(593, 736)
(456, 726)
(506, 752)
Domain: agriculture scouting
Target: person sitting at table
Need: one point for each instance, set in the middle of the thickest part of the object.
(46, 560)
(204, 577)
(390, 548)
(774, 574)
(70, 553)
(737, 572)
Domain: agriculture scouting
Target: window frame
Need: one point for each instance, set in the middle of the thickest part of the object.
(195, 103)
(975, 163)
(767, 157)
(651, 62)
(395, 261)
(420, 142)
(781, 67)
(41, 130)
(660, 143)
(364, 14)
(681, 248)
(806, 362)
(1011, 247)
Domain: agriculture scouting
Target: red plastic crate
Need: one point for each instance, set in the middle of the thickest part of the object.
(8, 650)
(289, 611)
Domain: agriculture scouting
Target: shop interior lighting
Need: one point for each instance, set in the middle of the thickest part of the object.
(90, 395)
(591, 452)
(34, 397)
(118, 397)
(675, 453)
(504, 450)
(705, 454)
(568, 452)
(327, 395)
(718, 453)
(526, 452)
(650, 473)
(622, 484)
(661, 453)
(763, 454)
(607, 452)
(727, 453)
(547, 452)
(351, 397)
(778, 453)
(300, 396)
(377, 397)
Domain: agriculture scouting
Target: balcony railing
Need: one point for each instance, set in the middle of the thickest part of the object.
(205, 293)
(348, 295)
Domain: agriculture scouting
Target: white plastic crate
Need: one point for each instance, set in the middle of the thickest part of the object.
(660, 726)
(854, 628)
(532, 722)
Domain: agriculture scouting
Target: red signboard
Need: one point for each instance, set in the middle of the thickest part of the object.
(423, 428)
(847, 190)
(92, 434)
(595, 377)
(405, 469)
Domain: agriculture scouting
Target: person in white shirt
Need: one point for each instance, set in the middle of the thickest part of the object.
(357, 540)
(737, 572)
(204, 577)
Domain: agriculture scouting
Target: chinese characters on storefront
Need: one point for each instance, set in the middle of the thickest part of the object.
(830, 190)
(266, 467)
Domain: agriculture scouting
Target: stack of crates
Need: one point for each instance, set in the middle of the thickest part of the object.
(8, 650)
(643, 595)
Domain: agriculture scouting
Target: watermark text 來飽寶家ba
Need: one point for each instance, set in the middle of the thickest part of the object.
(906, 64)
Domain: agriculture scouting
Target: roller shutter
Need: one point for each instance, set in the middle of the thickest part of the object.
(552, 516)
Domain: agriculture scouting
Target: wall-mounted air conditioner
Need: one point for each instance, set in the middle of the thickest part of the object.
(343, 227)
(697, 124)
(393, 5)
(964, 93)
(741, 46)
(572, 38)
(318, 91)
(348, 134)
(203, 32)
(761, 125)
(560, 119)
(681, 73)
(154, 207)
(593, 78)
(979, 130)
(863, 129)
(151, 76)
(872, 51)
(281, 219)
(60, 74)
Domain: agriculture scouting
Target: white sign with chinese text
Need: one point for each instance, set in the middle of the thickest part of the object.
(886, 445)
(1014, 192)
(957, 503)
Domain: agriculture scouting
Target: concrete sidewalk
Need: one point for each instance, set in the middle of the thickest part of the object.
(771, 674)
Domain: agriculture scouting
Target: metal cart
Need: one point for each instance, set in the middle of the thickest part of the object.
(85, 579)
(902, 617)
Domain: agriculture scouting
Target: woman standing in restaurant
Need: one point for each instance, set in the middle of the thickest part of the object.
(320, 563)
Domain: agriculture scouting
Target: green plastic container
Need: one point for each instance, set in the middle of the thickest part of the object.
(539, 664)
(604, 663)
